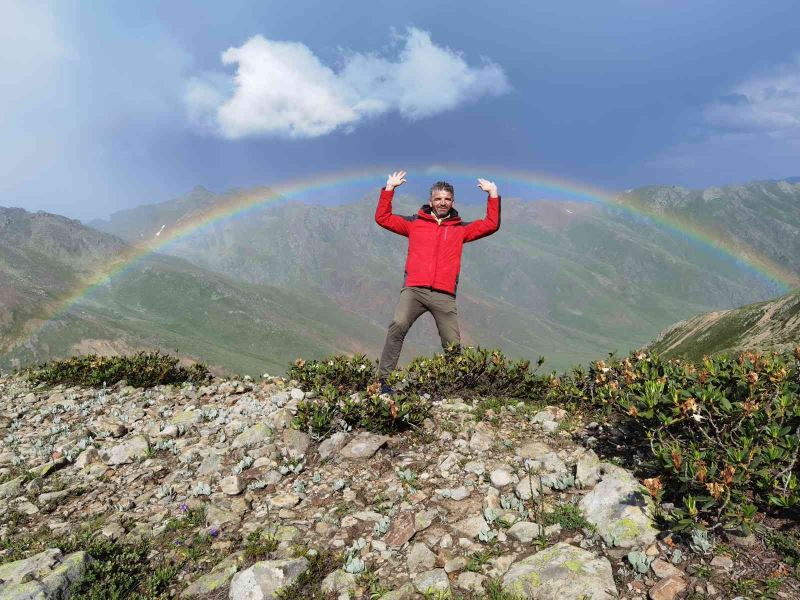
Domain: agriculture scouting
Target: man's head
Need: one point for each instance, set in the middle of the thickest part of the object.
(442, 198)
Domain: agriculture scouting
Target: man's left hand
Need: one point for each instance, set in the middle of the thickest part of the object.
(488, 186)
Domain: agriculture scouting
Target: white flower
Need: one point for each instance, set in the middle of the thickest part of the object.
(698, 418)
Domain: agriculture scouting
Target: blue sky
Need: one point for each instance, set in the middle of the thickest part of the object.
(110, 105)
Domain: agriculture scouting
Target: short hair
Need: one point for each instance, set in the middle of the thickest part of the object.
(443, 185)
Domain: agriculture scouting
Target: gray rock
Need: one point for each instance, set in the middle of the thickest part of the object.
(429, 581)
(363, 446)
(420, 558)
(533, 450)
(339, 583)
(528, 487)
(471, 526)
(525, 531)
(561, 571)
(332, 444)
(136, 448)
(44, 576)
(481, 441)
(471, 582)
(264, 579)
(255, 435)
(232, 485)
(588, 470)
(296, 442)
(10, 489)
(620, 511)
(501, 478)
(87, 457)
(476, 467)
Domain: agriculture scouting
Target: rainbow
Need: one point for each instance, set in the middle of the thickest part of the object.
(237, 205)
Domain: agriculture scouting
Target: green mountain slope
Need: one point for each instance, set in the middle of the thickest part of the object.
(158, 302)
(774, 324)
(568, 280)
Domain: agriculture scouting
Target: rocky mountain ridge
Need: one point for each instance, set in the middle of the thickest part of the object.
(501, 500)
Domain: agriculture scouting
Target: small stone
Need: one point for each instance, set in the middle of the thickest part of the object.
(667, 589)
(424, 519)
(363, 446)
(528, 487)
(471, 526)
(722, 562)
(500, 478)
(340, 583)
(136, 448)
(471, 582)
(332, 444)
(663, 569)
(524, 531)
(232, 485)
(296, 442)
(401, 530)
(257, 435)
(420, 558)
(113, 531)
(459, 493)
(284, 500)
(476, 467)
(455, 564)
(434, 580)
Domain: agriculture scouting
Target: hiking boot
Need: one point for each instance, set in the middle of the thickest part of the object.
(387, 389)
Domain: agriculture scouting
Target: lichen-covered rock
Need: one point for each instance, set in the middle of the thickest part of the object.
(265, 578)
(44, 576)
(364, 445)
(561, 572)
(431, 581)
(253, 436)
(128, 451)
(619, 510)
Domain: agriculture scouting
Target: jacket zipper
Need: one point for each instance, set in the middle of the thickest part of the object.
(436, 255)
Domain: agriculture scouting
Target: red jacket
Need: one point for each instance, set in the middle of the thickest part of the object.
(434, 249)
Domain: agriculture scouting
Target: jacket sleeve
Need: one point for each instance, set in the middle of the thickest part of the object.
(487, 226)
(384, 216)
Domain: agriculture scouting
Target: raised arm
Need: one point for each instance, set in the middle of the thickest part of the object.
(383, 213)
(491, 223)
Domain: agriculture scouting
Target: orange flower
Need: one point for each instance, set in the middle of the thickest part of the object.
(677, 459)
(613, 385)
(728, 473)
(779, 375)
(703, 377)
(797, 352)
(393, 408)
(653, 486)
(299, 363)
(630, 377)
(749, 407)
(374, 388)
(689, 406)
(702, 470)
(633, 411)
(715, 489)
(752, 378)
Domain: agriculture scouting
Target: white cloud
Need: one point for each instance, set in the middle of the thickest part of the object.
(282, 89)
(768, 103)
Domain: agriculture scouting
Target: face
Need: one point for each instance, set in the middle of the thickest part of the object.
(441, 201)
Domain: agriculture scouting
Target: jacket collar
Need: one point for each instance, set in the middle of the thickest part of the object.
(426, 213)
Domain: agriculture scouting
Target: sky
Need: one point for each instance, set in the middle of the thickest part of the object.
(106, 106)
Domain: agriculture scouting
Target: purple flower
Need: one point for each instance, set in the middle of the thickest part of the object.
(214, 532)
(184, 507)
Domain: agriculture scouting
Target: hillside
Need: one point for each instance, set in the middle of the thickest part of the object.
(774, 324)
(576, 280)
(157, 302)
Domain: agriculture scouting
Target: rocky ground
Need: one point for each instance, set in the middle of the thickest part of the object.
(484, 499)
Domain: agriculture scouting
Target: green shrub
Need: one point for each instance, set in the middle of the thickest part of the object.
(332, 410)
(139, 370)
(724, 434)
(472, 372)
(345, 373)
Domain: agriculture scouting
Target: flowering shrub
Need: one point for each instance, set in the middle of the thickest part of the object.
(724, 434)
(343, 372)
(332, 410)
(472, 372)
(143, 369)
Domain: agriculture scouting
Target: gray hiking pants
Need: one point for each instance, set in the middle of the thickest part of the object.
(415, 301)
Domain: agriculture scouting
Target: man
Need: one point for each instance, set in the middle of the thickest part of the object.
(436, 235)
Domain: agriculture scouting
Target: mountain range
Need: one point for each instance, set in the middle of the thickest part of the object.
(249, 292)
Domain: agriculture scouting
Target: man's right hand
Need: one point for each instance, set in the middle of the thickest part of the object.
(395, 179)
